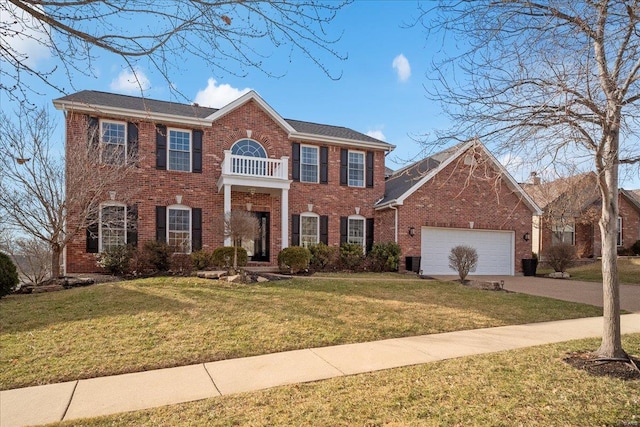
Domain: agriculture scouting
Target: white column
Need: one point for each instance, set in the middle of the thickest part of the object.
(227, 208)
(284, 210)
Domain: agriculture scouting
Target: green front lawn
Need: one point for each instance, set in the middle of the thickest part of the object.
(527, 387)
(628, 271)
(162, 322)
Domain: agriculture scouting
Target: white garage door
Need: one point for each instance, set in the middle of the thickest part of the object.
(495, 250)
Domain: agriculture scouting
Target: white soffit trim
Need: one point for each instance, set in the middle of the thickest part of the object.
(136, 114)
(251, 95)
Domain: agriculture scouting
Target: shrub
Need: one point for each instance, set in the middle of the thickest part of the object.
(560, 256)
(323, 257)
(635, 248)
(202, 260)
(158, 255)
(8, 275)
(181, 264)
(384, 257)
(351, 256)
(222, 257)
(463, 259)
(116, 260)
(294, 259)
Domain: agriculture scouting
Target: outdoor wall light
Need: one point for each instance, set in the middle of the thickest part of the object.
(525, 237)
(412, 231)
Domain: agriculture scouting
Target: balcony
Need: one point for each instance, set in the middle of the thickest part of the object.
(254, 171)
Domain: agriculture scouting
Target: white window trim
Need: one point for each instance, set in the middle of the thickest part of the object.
(183, 208)
(103, 143)
(266, 154)
(364, 168)
(104, 205)
(619, 236)
(310, 215)
(571, 224)
(364, 228)
(169, 130)
(317, 165)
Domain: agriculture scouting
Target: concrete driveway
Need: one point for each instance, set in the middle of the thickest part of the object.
(567, 290)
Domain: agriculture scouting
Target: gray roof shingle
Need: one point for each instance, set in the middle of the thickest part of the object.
(112, 100)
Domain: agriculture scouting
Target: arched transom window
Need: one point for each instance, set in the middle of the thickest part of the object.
(249, 148)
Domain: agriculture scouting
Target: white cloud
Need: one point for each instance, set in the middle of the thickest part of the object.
(403, 69)
(377, 134)
(217, 96)
(130, 81)
(27, 37)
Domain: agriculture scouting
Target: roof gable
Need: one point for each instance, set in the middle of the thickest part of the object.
(408, 180)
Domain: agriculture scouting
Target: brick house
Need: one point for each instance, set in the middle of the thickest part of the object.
(571, 210)
(306, 182)
(460, 196)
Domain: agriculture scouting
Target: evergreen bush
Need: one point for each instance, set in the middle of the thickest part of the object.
(8, 275)
(294, 259)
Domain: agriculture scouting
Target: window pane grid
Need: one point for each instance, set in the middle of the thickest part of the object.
(356, 231)
(112, 224)
(179, 151)
(308, 230)
(356, 169)
(309, 164)
(179, 236)
(113, 143)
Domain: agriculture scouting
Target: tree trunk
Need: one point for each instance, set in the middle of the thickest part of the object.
(611, 346)
(56, 251)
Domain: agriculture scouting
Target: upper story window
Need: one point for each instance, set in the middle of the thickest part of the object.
(309, 229)
(356, 233)
(113, 227)
(179, 228)
(113, 142)
(249, 148)
(563, 232)
(356, 169)
(179, 150)
(308, 163)
(619, 233)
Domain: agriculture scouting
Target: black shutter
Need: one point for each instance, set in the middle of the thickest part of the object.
(132, 225)
(324, 229)
(344, 166)
(295, 230)
(93, 133)
(92, 232)
(370, 169)
(344, 229)
(369, 236)
(161, 147)
(196, 229)
(132, 142)
(161, 224)
(295, 158)
(324, 165)
(197, 151)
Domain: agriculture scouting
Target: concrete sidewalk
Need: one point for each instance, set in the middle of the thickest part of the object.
(142, 390)
(566, 290)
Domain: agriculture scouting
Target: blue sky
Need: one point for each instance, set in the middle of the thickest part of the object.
(381, 91)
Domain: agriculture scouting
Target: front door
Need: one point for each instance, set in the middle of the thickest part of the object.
(258, 248)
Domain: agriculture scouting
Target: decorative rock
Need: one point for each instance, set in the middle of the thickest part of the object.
(559, 275)
(210, 274)
(261, 279)
(232, 278)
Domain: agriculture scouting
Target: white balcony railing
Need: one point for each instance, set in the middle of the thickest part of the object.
(255, 166)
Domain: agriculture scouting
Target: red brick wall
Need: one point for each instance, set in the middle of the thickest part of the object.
(458, 195)
(630, 226)
(199, 190)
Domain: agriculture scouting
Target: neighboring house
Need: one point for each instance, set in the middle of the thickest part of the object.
(571, 210)
(306, 182)
(460, 196)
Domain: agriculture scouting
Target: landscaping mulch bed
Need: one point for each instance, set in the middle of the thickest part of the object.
(593, 365)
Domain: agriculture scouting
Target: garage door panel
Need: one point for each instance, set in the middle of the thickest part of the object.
(495, 250)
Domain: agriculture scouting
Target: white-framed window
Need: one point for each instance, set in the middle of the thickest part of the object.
(309, 163)
(309, 229)
(248, 148)
(179, 228)
(113, 142)
(356, 230)
(356, 169)
(179, 150)
(563, 232)
(113, 226)
(619, 234)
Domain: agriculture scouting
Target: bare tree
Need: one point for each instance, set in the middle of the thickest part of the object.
(36, 199)
(32, 256)
(238, 226)
(218, 34)
(549, 81)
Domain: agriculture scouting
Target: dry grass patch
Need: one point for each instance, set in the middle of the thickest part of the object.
(527, 387)
(162, 322)
(628, 271)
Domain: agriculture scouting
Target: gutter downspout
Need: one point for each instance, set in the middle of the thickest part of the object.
(395, 228)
